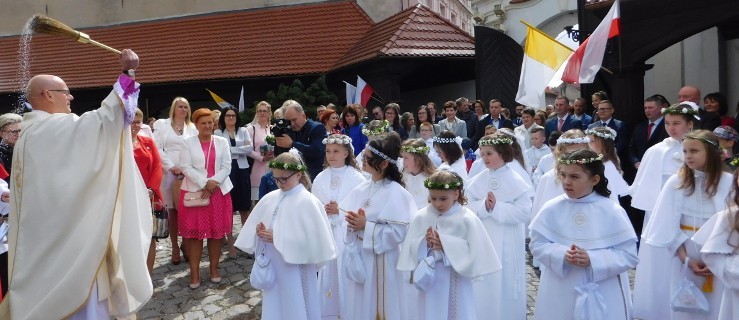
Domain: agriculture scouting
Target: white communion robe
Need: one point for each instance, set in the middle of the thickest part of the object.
(414, 185)
(546, 163)
(616, 183)
(659, 163)
(502, 295)
(719, 240)
(80, 214)
(302, 240)
(388, 208)
(459, 166)
(675, 218)
(479, 166)
(333, 184)
(599, 226)
(467, 253)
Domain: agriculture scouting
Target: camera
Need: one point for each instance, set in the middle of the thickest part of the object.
(280, 127)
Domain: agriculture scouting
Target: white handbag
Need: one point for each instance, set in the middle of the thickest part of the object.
(351, 260)
(424, 276)
(687, 297)
(589, 303)
(262, 273)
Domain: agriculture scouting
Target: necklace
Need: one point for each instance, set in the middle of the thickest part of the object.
(368, 202)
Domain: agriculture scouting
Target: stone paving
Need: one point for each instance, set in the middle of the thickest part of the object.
(233, 298)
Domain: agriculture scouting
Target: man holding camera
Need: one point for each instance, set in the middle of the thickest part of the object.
(305, 135)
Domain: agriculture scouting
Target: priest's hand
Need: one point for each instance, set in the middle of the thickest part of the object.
(490, 201)
(129, 59)
(577, 257)
(211, 185)
(699, 268)
(331, 208)
(284, 141)
(433, 240)
(356, 221)
(264, 233)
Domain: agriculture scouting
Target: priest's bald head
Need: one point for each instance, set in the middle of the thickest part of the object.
(49, 93)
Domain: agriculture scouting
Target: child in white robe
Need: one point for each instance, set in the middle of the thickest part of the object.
(686, 202)
(537, 150)
(377, 212)
(720, 240)
(330, 187)
(296, 241)
(450, 152)
(417, 167)
(500, 198)
(461, 248)
(583, 238)
(602, 141)
(427, 135)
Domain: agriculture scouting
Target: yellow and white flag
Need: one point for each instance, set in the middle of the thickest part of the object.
(542, 57)
(221, 103)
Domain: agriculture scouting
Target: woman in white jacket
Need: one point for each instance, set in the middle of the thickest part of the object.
(206, 163)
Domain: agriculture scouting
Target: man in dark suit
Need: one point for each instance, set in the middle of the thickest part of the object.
(648, 132)
(465, 113)
(578, 108)
(493, 118)
(709, 120)
(305, 135)
(563, 121)
(605, 114)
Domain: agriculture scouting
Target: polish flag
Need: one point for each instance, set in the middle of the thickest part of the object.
(584, 64)
(364, 91)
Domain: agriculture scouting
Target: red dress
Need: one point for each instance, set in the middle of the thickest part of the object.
(149, 163)
(208, 222)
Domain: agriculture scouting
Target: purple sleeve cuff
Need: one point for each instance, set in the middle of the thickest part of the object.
(128, 90)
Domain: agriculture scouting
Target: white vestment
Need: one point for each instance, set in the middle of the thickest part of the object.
(599, 226)
(459, 166)
(534, 155)
(546, 163)
(674, 220)
(333, 184)
(616, 183)
(660, 161)
(720, 240)
(467, 253)
(80, 214)
(302, 239)
(502, 295)
(478, 166)
(433, 155)
(388, 208)
(414, 185)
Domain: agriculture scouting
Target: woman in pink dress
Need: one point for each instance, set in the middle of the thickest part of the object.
(206, 163)
(259, 129)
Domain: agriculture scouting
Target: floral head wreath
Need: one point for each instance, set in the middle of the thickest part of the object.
(581, 161)
(381, 155)
(610, 135)
(706, 141)
(495, 140)
(441, 186)
(573, 140)
(687, 107)
(424, 150)
(290, 166)
(441, 140)
(507, 132)
(337, 139)
(376, 131)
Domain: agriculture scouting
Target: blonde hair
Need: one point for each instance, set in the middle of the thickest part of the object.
(256, 110)
(289, 158)
(422, 160)
(559, 150)
(449, 177)
(608, 146)
(189, 110)
(350, 160)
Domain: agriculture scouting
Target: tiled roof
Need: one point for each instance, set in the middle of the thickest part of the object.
(414, 32)
(291, 40)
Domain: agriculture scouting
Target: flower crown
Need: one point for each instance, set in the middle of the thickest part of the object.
(495, 140)
(573, 140)
(440, 140)
(287, 166)
(581, 161)
(381, 155)
(376, 131)
(678, 109)
(610, 135)
(706, 141)
(441, 186)
(424, 150)
(337, 139)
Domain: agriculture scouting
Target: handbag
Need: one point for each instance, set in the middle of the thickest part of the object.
(687, 297)
(424, 275)
(159, 215)
(589, 303)
(195, 199)
(351, 260)
(262, 273)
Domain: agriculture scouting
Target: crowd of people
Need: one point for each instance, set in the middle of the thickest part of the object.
(375, 214)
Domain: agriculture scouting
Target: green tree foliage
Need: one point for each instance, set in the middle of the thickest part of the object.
(316, 94)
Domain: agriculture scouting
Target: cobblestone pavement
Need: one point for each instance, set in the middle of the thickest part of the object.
(233, 298)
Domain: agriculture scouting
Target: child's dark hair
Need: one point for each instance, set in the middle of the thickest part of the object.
(517, 151)
(390, 147)
(452, 151)
(713, 164)
(503, 149)
(592, 167)
(442, 177)
(552, 141)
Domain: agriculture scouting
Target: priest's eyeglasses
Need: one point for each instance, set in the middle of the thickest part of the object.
(284, 180)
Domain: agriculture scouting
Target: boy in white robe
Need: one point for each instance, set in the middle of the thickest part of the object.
(500, 198)
(584, 243)
(537, 150)
(461, 248)
(290, 227)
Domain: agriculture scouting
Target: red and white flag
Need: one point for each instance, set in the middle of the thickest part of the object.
(584, 64)
(363, 93)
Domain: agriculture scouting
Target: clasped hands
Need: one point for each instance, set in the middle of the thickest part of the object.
(210, 186)
(264, 233)
(357, 220)
(432, 239)
(490, 201)
(577, 256)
